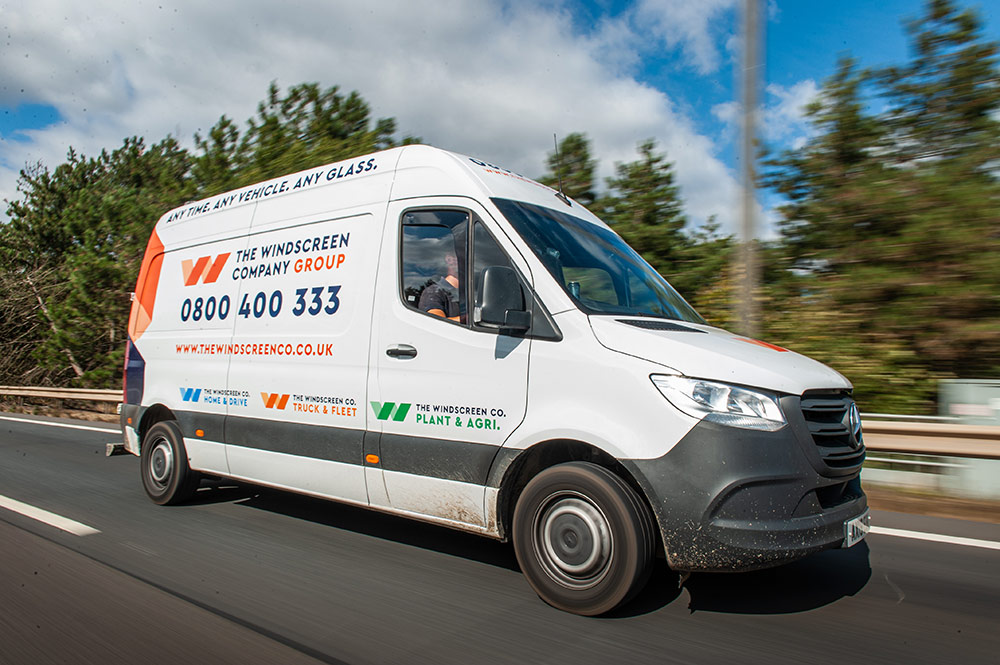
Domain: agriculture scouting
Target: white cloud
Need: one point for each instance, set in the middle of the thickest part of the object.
(782, 123)
(784, 118)
(728, 113)
(489, 79)
(693, 27)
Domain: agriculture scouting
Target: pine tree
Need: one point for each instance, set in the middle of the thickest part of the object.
(892, 216)
(294, 131)
(827, 184)
(944, 101)
(74, 244)
(572, 169)
(222, 155)
(71, 251)
(644, 206)
(702, 273)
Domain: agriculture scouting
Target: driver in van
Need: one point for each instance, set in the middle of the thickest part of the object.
(441, 297)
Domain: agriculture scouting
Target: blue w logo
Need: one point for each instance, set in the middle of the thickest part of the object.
(190, 394)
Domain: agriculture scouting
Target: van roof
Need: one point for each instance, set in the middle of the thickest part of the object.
(394, 174)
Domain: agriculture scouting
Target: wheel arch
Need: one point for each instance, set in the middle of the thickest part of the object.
(512, 474)
(154, 414)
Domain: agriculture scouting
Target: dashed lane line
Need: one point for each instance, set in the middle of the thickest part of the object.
(58, 521)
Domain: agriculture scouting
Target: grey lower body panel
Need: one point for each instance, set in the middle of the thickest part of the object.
(731, 500)
(433, 458)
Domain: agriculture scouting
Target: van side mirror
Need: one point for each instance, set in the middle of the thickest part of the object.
(501, 300)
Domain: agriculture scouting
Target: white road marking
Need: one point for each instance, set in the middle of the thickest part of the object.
(58, 521)
(67, 425)
(936, 538)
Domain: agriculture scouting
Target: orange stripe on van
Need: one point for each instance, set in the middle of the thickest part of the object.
(773, 347)
(145, 288)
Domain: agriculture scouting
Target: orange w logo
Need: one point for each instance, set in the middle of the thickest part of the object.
(195, 270)
(274, 400)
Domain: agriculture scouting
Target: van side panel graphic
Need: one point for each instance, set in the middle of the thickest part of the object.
(203, 267)
(145, 288)
(190, 394)
(274, 400)
(390, 410)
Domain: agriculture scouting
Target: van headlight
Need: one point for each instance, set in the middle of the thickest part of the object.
(722, 403)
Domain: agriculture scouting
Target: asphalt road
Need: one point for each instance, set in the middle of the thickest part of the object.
(245, 575)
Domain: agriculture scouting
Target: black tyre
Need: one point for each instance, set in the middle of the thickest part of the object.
(163, 465)
(583, 537)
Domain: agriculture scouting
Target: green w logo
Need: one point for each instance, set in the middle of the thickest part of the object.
(390, 410)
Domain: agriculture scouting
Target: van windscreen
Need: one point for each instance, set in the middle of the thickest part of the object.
(599, 271)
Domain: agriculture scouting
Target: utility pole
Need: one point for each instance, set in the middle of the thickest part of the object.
(753, 66)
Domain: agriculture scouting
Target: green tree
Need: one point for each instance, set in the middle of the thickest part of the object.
(572, 168)
(222, 155)
(71, 251)
(945, 100)
(702, 274)
(74, 243)
(891, 216)
(304, 127)
(643, 205)
(944, 140)
(827, 183)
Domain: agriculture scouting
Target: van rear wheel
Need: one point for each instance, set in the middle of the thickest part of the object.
(166, 476)
(583, 538)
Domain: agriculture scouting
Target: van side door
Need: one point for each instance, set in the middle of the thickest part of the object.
(300, 351)
(447, 391)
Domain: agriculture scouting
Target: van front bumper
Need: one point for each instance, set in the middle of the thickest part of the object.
(729, 500)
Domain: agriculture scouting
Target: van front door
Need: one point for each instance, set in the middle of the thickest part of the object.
(447, 392)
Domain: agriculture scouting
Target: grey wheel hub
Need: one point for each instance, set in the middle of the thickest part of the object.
(573, 540)
(161, 462)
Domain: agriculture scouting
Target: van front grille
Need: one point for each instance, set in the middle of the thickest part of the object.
(836, 433)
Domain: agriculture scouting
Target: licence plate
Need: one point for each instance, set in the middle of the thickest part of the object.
(856, 529)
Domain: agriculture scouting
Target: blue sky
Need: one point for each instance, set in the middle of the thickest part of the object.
(14, 120)
(492, 78)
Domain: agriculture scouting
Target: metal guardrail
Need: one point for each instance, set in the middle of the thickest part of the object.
(897, 417)
(946, 439)
(63, 393)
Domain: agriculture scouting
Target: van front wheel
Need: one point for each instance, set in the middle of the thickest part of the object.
(163, 464)
(583, 538)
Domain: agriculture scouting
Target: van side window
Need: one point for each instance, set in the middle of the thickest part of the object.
(485, 253)
(434, 262)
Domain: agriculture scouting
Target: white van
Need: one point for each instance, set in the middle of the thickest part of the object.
(430, 335)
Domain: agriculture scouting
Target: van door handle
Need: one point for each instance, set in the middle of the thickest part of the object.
(401, 351)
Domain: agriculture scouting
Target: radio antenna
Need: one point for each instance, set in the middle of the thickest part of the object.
(559, 195)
